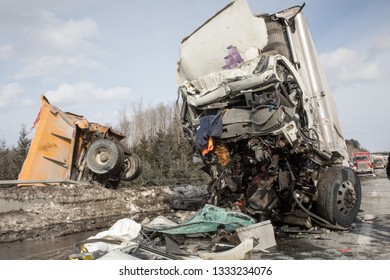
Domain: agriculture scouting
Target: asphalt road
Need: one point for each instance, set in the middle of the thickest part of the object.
(369, 239)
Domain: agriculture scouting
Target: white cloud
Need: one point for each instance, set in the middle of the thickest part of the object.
(382, 44)
(28, 102)
(86, 93)
(47, 66)
(64, 36)
(8, 94)
(6, 51)
(338, 57)
(345, 65)
(41, 31)
(96, 104)
(48, 45)
(362, 109)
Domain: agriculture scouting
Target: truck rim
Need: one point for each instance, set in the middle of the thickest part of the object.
(346, 197)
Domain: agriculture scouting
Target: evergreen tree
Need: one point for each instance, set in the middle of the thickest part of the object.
(19, 152)
(5, 166)
(353, 146)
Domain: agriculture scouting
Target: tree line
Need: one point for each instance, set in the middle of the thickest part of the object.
(353, 146)
(155, 135)
(12, 158)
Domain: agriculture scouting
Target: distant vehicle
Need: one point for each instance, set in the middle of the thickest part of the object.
(362, 163)
(379, 162)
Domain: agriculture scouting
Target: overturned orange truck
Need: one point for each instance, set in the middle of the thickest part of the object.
(68, 148)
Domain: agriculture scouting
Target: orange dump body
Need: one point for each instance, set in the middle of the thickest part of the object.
(59, 145)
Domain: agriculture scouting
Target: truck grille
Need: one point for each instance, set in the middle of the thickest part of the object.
(362, 166)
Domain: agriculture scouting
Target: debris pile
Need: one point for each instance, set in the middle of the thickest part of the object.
(229, 235)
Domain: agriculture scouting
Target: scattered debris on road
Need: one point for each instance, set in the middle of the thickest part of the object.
(212, 233)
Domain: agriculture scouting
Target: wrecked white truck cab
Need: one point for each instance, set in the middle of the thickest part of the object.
(256, 105)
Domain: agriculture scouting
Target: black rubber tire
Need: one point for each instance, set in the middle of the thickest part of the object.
(133, 166)
(339, 195)
(104, 157)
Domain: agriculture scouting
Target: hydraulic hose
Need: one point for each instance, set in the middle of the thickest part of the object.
(323, 221)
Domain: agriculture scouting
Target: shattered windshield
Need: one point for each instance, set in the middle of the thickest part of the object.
(361, 158)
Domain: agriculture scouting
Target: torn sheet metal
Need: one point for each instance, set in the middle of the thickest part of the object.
(188, 197)
(206, 49)
(209, 219)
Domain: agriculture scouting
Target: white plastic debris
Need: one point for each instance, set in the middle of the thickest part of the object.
(160, 222)
(124, 230)
(262, 233)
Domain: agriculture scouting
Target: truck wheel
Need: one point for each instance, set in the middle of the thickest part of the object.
(104, 157)
(339, 195)
(133, 166)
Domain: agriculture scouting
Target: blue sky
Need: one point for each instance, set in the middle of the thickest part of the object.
(95, 57)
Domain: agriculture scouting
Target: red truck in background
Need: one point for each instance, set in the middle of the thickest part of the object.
(362, 162)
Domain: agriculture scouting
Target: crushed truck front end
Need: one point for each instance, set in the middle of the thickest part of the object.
(256, 106)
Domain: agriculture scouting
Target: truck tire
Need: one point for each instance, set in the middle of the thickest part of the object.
(339, 195)
(104, 157)
(133, 166)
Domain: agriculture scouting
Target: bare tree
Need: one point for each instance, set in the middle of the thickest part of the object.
(155, 134)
